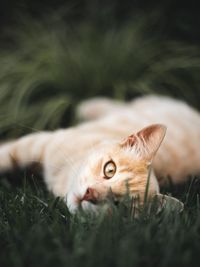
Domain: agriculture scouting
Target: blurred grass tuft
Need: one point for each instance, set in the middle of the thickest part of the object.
(52, 65)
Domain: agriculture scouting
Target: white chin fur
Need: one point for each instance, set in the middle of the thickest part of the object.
(89, 207)
(72, 208)
(72, 203)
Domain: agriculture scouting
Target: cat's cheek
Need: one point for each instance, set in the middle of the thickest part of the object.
(72, 208)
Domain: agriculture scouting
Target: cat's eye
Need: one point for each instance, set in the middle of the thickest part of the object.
(109, 169)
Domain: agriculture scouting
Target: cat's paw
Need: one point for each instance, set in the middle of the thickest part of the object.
(96, 107)
(168, 203)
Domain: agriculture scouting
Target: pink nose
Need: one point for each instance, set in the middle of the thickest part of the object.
(90, 195)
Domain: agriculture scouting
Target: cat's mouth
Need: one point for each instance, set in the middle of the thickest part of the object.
(96, 202)
(92, 196)
(157, 204)
(93, 201)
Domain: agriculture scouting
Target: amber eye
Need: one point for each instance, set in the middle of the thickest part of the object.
(109, 169)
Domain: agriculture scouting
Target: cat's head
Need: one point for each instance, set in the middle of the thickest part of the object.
(114, 169)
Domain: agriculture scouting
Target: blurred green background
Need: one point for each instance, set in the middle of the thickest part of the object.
(53, 54)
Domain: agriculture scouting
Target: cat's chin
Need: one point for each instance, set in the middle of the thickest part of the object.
(90, 207)
(84, 205)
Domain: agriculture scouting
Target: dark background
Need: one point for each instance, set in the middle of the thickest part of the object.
(54, 54)
(177, 19)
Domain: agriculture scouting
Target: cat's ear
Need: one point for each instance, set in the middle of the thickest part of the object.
(147, 141)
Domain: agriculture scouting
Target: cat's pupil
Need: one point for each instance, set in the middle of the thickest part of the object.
(109, 169)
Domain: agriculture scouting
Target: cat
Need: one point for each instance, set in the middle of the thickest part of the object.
(117, 149)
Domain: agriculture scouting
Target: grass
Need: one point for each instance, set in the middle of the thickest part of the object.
(37, 230)
(51, 66)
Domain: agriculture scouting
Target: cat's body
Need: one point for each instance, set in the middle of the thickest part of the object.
(75, 159)
(179, 155)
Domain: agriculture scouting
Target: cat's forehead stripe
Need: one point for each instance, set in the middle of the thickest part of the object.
(137, 168)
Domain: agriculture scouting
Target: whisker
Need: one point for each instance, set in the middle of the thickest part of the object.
(28, 127)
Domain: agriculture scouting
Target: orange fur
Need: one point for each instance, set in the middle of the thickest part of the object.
(73, 159)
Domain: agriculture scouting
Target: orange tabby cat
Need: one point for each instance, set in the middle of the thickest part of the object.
(113, 152)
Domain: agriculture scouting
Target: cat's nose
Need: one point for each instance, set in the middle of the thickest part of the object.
(90, 195)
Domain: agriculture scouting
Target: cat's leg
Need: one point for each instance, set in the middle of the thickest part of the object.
(23, 151)
(97, 107)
